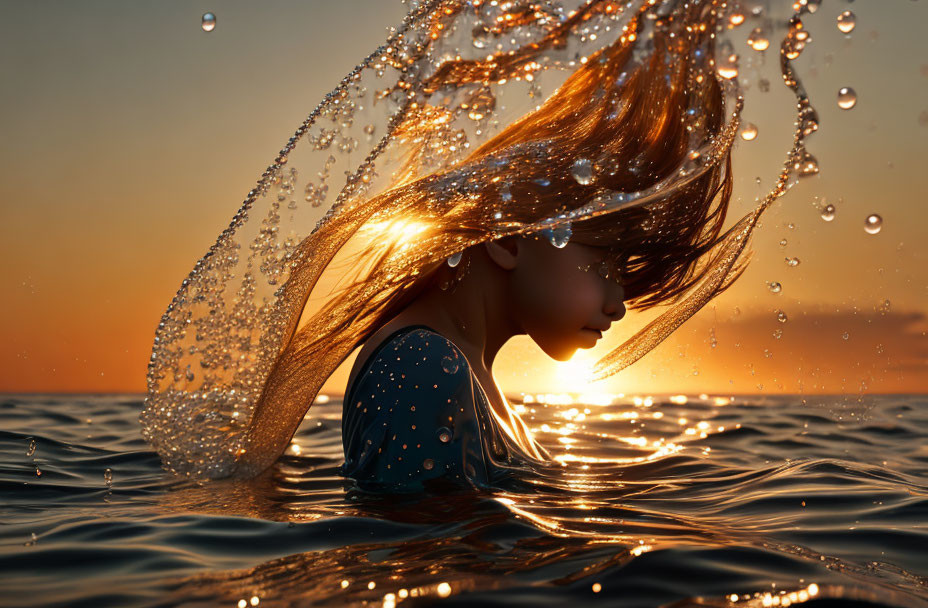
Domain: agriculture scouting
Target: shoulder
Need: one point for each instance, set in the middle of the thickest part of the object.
(410, 357)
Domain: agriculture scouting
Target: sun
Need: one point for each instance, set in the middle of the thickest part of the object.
(575, 374)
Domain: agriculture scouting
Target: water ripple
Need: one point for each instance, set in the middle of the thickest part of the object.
(655, 503)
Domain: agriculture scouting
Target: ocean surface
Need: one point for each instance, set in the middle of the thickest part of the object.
(662, 501)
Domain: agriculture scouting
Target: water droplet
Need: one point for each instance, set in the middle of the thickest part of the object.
(736, 19)
(582, 171)
(455, 259)
(828, 212)
(758, 41)
(559, 236)
(481, 104)
(873, 223)
(884, 307)
(428, 464)
(808, 120)
(727, 67)
(749, 131)
(847, 98)
(480, 37)
(807, 165)
(208, 22)
(444, 434)
(189, 374)
(778, 333)
(845, 335)
(846, 22)
(108, 477)
(782, 242)
(781, 316)
(774, 287)
(449, 365)
(792, 262)
(31, 449)
(505, 194)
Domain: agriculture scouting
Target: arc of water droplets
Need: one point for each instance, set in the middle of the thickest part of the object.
(215, 445)
(162, 405)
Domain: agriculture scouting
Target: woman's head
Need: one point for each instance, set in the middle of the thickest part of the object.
(563, 298)
(621, 123)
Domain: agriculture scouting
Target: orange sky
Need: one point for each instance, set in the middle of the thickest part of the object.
(131, 137)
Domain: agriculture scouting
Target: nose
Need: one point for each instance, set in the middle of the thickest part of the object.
(614, 307)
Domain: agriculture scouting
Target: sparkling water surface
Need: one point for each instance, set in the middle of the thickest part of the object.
(680, 500)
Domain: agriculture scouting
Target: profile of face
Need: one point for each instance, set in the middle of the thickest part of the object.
(563, 298)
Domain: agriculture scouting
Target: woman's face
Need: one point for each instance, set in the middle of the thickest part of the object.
(565, 298)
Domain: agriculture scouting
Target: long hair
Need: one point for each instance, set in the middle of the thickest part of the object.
(632, 135)
(630, 152)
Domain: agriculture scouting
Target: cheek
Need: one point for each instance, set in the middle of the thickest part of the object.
(556, 298)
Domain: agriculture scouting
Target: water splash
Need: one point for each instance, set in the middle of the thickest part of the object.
(423, 101)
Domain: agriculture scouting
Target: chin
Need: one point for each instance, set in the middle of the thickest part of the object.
(560, 353)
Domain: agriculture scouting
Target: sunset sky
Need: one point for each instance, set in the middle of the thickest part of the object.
(131, 137)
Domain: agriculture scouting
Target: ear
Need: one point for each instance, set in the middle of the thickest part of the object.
(504, 252)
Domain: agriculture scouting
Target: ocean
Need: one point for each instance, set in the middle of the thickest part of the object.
(749, 500)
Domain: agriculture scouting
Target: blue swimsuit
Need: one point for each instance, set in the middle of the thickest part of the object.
(416, 418)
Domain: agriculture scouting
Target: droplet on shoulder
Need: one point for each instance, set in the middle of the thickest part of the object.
(449, 364)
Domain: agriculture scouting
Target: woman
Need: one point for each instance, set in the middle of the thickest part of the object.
(614, 189)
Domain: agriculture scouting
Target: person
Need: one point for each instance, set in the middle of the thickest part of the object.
(610, 194)
(422, 408)
(421, 395)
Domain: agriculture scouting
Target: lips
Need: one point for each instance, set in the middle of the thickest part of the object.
(597, 332)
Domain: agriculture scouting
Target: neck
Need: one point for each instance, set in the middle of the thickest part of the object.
(472, 313)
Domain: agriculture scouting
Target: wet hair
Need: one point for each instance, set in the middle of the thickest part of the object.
(616, 124)
(629, 136)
